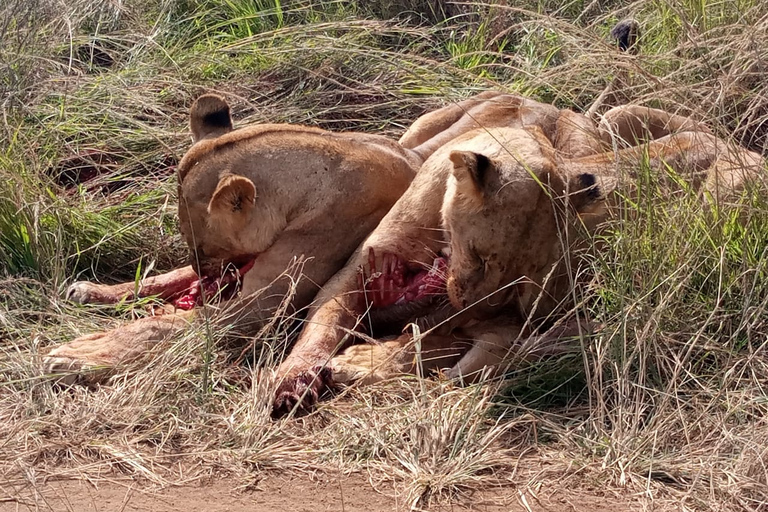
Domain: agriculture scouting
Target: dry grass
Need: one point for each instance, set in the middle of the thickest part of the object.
(667, 404)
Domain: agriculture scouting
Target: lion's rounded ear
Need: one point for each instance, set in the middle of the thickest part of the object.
(587, 192)
(234, 194)
(209, 117)
(471, 172)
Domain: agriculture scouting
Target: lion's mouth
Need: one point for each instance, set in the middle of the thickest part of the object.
(223, 287)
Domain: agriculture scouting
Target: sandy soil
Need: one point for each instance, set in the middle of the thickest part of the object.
(289, 493)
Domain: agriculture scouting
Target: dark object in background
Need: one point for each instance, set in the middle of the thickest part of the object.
(626, 33)
(97, 55)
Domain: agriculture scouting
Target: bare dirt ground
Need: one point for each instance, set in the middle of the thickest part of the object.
(291, 493)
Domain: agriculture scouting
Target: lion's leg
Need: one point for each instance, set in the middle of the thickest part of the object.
(474, 353)
(702, 159)
(93, 357)
(498, 345)
(261, 297)
(632, 125)
(374, 362)
(431, 124)
(164, 285)
(341, 309)
(410, 230)
(304, 372)
(576, 135)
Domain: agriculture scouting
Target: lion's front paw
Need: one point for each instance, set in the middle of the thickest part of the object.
(65, 370)
(366, 364)
(91, 358)
(80, 361)
(302, 391)
(84, 292)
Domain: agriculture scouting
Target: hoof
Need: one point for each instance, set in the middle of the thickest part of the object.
(626, 34)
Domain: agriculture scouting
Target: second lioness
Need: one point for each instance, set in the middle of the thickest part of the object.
(254, 199)
(488, 228)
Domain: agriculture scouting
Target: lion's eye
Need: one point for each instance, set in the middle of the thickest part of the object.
(473, 254)
(478, 259)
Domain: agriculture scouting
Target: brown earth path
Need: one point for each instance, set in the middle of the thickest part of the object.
(284, 493)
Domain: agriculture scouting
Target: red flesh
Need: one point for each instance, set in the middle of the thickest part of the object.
(225, 287)
(395, 284)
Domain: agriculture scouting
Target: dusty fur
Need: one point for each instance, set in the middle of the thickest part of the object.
(514, 230)
(271, 192)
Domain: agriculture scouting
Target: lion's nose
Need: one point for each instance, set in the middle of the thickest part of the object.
(455, 294)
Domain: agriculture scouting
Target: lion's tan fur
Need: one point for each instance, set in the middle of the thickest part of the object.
(511, 233)
(281, 192)
(513, 238)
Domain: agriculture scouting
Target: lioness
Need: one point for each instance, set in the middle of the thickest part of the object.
(485, 234)
(251, 201)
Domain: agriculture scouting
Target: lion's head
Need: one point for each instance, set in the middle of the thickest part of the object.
(219, 215)
(509, 212)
